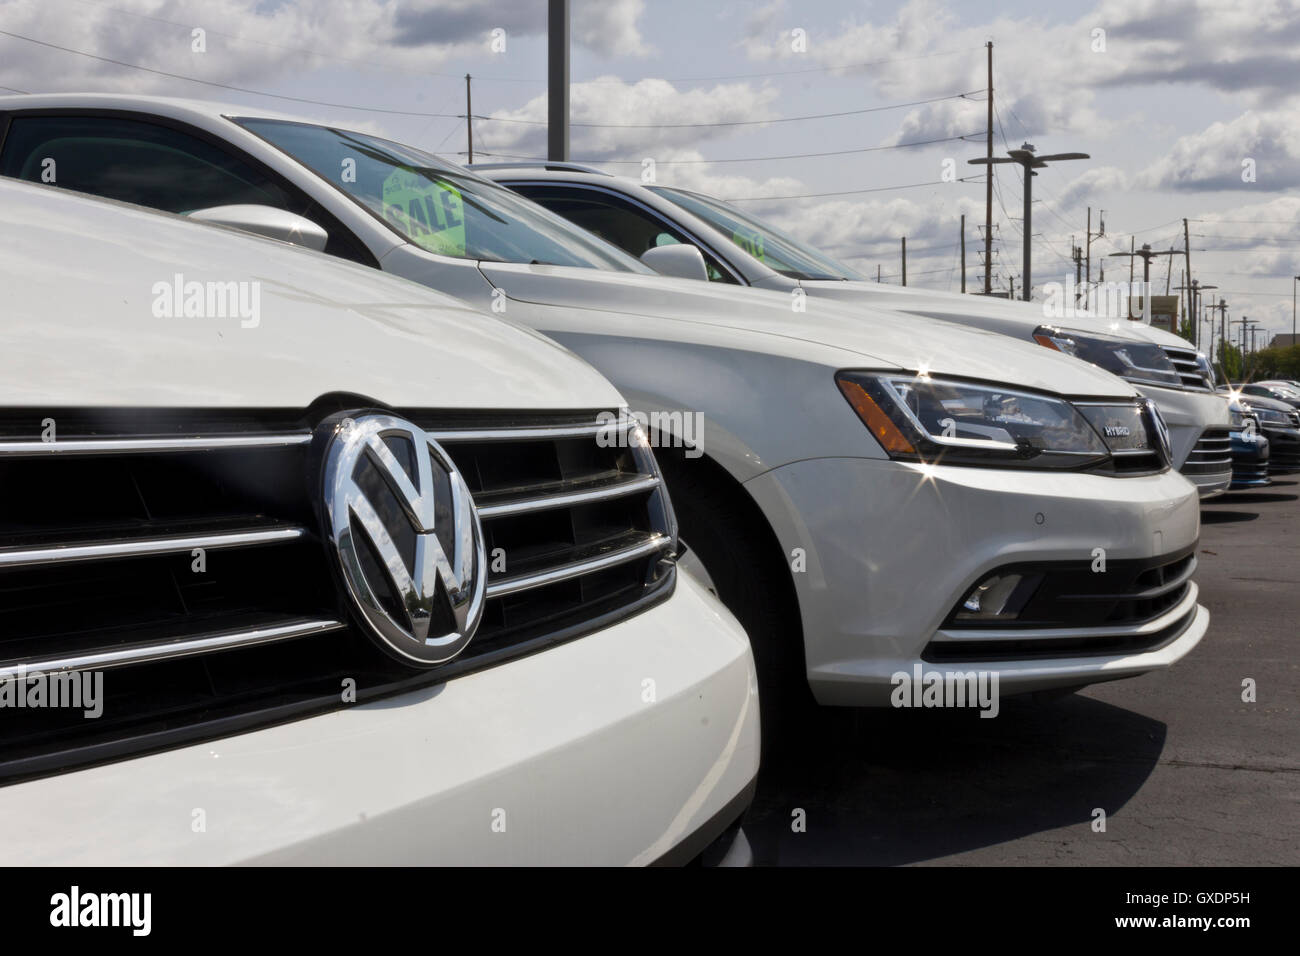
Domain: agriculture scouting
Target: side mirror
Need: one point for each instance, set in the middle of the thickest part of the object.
(266, 221)
(678, 259)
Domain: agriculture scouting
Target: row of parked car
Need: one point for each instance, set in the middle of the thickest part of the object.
(495, 558)
(1266, 431)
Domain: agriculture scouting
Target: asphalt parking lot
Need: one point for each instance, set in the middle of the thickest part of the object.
(1187, 773)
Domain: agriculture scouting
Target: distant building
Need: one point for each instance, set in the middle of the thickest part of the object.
(1284, 341)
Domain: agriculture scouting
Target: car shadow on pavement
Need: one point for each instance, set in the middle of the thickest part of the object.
(1226, 517)
(1252, 497)
(889, 787)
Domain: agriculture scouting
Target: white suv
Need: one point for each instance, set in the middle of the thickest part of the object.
(870, 497)
(322, 567)
(738, 247)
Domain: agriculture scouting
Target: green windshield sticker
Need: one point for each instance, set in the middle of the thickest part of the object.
(428, 211)
(749, 240)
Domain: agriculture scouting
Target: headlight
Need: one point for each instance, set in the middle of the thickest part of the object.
(1236, 417)
(1265, 416)
(936, 420)
(1136, 361)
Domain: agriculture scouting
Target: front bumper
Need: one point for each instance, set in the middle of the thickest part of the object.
(1249, 460)
(1284, 449)
(1188, 415)
(634, 744)
(890, 548)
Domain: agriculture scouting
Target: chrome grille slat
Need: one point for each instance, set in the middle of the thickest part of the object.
(140, 547)
(149, 446)
(525, 504)
(532, 433)
(563, 572)
(170, 649)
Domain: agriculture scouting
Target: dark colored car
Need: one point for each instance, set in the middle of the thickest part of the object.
(1250, 451)
(1278, 391)
(1279, 422)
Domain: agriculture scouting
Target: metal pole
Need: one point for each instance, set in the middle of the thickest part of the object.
(1026, 281)
(557, 81)
(963, 251)
(988, 186)
(905, 260)
(469, 122)
(1187, 259)
(1087, 273)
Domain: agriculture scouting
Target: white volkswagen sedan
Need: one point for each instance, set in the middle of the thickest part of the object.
(303, 564)
(738, 247)
(871, 497)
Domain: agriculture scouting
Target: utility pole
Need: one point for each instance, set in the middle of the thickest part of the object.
(1101, 231)
(905, 260)
(1189, 282)
(557, 81)
(1222, 307)
(988, 185)
(1241, 322)
(963, 253)
(1194, 290)
(1078, 269)
(469, 122)
(877, 271)
(1029, 160)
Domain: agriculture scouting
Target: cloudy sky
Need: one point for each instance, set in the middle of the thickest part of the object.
(1188, 108)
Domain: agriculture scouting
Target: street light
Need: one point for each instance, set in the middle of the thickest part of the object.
(1029, 160)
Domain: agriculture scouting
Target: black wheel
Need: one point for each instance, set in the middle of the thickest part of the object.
(723, 528)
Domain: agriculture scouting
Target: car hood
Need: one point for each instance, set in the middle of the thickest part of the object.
(1262, 401)
(1010, 315)
(89, 285)
(838, 334)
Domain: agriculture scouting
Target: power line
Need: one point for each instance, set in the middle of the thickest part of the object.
(738, 159)
(12, 90)
(754, 122)
(1138, 232)
(1248, 222)
(851, 192)
(227, 86)
(1206, 235)
(815, 69)
(291, 49)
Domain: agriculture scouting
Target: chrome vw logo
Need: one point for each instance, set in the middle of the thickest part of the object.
(407, 536)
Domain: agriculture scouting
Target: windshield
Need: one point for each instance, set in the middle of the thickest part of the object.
(776, 250)
(436, 205)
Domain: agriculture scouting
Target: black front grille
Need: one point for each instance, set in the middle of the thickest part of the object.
(97, 573)
(1189, 369)
(1284, 450)
(1212, 453)
(1249, 469)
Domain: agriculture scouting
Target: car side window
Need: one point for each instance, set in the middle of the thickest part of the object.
(149, 164)
(624, 224)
